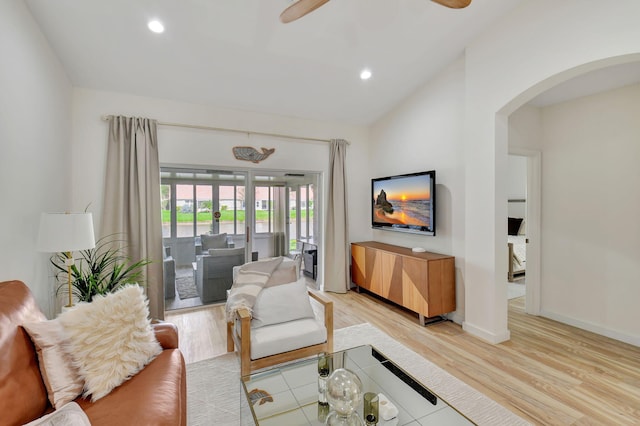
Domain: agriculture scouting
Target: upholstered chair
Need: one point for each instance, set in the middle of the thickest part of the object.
(283, 325)
(169, 274)
(214, 272)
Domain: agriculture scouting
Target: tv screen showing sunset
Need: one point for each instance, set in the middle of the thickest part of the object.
(403, 201)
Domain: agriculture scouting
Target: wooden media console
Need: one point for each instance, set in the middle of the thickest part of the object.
(422, 282)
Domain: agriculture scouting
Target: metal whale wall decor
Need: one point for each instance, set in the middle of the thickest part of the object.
(249, 153)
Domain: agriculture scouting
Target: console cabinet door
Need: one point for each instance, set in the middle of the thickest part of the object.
(415, 291)
(442, 293)
(358, 265)
(429, 286)
(391, 276)
(373, 270)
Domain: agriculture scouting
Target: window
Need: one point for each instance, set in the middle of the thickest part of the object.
(165, 208)
(264, 215)
(232, 212)
(292, 219)
(306, 212)
(185, 212)
(190, 200)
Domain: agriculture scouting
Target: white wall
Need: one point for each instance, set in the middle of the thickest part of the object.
(517, 186)
(517, 177)
(35, 122)
(590, 211)
(525, 129)
(193, 147)
(539, 44)
(425, 133)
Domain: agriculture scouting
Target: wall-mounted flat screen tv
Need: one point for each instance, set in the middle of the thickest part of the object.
(405, 203)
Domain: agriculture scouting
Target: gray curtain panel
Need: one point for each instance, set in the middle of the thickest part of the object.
(336, 266)
(132, 199)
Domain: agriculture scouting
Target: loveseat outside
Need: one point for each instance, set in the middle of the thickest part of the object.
(155, 396)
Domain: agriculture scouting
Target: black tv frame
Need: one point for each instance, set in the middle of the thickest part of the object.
(413, 229)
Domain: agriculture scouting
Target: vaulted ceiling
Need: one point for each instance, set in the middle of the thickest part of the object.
(237, 54)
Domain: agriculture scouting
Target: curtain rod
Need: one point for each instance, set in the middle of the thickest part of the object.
(223, 129)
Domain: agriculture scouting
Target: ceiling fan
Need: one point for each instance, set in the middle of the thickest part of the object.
(301, 7)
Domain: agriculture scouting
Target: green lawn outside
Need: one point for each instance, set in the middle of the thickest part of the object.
(225, 216)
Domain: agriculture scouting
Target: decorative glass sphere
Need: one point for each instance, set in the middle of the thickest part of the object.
(344, 392)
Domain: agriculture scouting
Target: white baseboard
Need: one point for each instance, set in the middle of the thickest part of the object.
(493, 338)
(594, 328)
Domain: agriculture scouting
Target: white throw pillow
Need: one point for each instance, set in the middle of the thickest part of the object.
(110, 339)
(68, 415)
(281, 303)
(60, 376)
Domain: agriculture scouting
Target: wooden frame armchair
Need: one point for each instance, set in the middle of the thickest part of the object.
(242, 340)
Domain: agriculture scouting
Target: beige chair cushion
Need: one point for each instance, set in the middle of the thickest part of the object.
(287, 336)
(213, 241)
(217, 252)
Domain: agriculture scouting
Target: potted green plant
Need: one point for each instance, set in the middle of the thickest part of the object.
(99, 270)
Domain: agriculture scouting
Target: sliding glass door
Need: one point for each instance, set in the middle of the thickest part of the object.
(285, 212)
(198, 202)
(269, 213)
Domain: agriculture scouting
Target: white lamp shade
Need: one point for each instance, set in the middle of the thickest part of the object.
(62, 232)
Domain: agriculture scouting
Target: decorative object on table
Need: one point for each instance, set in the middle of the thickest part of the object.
(65, 233)
(324, 369)
(100, 270)
(344, 394)
(260, 396)
(249, 153)
(323, 412)
(370, 409)
(386, 408)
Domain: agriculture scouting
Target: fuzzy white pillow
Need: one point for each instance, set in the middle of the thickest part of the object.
(110, 339)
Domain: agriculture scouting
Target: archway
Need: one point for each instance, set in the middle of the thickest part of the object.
(534, 258)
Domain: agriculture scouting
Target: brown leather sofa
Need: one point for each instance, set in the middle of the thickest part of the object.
(155, 396)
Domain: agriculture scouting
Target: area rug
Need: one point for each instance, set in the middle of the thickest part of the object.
(213, 385)
(184, 283)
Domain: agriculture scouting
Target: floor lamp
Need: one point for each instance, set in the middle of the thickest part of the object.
(66, 233)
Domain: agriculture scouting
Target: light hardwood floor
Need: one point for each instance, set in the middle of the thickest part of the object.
(548, 373)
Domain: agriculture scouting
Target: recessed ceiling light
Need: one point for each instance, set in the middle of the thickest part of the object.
(156, 26)
(365, 74)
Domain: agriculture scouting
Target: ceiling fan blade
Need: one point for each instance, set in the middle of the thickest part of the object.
(299, 9)
(453, 4)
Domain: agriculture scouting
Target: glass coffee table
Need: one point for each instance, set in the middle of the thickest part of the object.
(288, 394)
